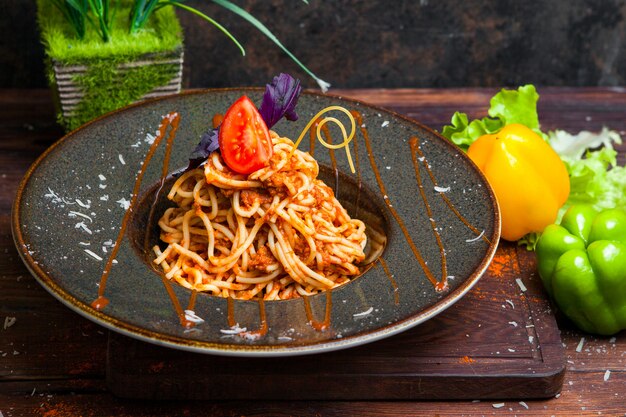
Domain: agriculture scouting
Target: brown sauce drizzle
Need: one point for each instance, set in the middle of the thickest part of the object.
(357, 166)
(331, 153)
(396, 294)
(251, 334)
(415, 148)
(418, 256)
(217, 120)
(192, 300)
(429, 211)
(262, 331)
(231, 312)
(177, 306)
(316, 324)
(171, 121)
(164, 171)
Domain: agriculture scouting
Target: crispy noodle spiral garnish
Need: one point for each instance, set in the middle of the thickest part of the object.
(277, 233)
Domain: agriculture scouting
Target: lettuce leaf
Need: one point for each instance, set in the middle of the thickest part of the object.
(591, 161)
(516, 106)
(463, 133)
(506, 107)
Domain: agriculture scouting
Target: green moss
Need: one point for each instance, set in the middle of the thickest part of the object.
(104, 84)
(162, 33)
(108, 88)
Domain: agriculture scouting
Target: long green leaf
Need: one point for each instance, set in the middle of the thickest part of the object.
(263, 29)
(208, 19)
(141, 14)
(74, 12)
(100, 9)
(137, 9)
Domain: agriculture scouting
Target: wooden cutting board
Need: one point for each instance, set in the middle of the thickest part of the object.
(500, 341)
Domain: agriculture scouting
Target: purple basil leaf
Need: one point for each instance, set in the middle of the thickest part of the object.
(280, 99)
(208, 143)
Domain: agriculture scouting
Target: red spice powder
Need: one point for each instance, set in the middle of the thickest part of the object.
(157, 367)
(504, 263)
(467, 359)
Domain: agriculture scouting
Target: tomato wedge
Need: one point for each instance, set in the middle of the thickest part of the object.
(244, 139)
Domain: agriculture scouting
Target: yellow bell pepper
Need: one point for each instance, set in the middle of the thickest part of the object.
(529, 179)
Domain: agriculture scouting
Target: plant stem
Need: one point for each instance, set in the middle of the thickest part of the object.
(141, 14)
(100, 9)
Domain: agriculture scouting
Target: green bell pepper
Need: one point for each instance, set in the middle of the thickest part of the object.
(582, 263)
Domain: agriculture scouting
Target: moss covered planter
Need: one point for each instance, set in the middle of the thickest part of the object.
(84, 92)
(90, 77)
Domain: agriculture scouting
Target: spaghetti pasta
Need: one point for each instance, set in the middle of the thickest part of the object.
(277, 233)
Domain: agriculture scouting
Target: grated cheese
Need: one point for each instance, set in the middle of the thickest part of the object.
(92, 254)
(521, 284)
(149, 139)
(53, 196)
(83, 205)
(125, 204)
(250, 336)
(364, 313)
(480, 236)
(76, 214)
(234, 330)
(191, 316)
(579, 348)
(9, 321)
(82, 225)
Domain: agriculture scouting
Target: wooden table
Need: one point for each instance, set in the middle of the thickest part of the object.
(53, 362)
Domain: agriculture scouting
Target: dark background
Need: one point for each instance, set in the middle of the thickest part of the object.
(369, 43)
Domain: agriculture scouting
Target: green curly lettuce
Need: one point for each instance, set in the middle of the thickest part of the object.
(591, 161)
(506, 107)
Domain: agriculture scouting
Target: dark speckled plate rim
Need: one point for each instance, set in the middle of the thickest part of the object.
(226, 349)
